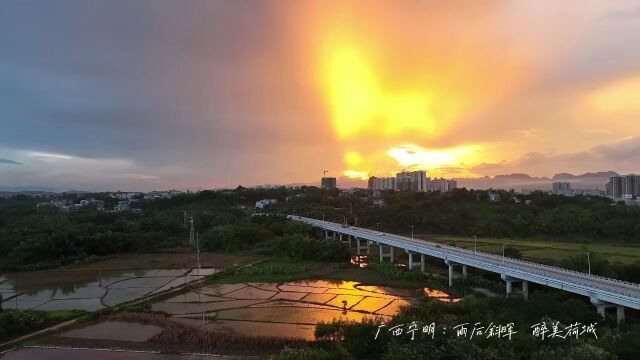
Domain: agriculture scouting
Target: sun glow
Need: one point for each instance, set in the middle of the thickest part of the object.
(355, 174)
(416, 156)
(623, 95)
(361, 105)
(379, 99)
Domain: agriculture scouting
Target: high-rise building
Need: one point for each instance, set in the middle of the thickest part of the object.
(386, 183)
(442, 185)
(328, 183)
(627, 187)
(562, 188)
(411, 180)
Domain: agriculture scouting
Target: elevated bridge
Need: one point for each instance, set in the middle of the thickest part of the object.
(603, 292)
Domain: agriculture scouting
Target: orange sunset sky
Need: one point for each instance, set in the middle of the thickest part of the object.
(215, 94)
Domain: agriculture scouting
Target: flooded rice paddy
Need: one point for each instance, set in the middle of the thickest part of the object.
(290, 309)
(88, 289)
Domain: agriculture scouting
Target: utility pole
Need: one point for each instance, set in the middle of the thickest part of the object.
(191, 232)
(475, 243)
(503, 246)
(588, 253)
(199, 273)
(412, 231)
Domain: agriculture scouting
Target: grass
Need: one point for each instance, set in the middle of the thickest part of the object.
(546, 251)
(275, 271)
(179, 334)
(15, 323)
(177, 258)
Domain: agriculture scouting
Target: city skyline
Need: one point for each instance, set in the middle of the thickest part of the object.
(158, 95)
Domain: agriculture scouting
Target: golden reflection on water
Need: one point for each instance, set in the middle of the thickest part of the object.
(439, 295)
(359, 260)
(298, 304)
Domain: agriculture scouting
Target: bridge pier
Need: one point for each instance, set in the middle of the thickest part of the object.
(326, 234)
(510, 280)
(602, 306)
(464, 272)
(620, 314)
(360, 247)
(451, 264)
(383, 255)
(412, 264)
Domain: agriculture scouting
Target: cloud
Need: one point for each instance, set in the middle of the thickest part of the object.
(10, 162)
(620, 156)
(50, 156)
(527, 133)
(628, 14)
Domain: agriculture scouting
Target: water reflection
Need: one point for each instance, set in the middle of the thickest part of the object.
(87, 289)
(439, 295)
(299, 304)
(359, 260)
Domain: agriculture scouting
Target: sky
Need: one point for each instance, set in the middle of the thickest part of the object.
(159, 94)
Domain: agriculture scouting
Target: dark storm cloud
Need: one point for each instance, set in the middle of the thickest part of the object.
(94, 79)
(10, 162)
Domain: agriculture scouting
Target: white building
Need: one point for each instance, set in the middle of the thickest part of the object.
(378, 184)
(261, 204)
(442, 185)
(562, 188)
(412, 181)
(121, 206)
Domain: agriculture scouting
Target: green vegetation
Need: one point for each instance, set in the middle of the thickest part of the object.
(40, 238)
(356, 340)
(14, 323)
(562, 226)
(275, 236)
(392, 272)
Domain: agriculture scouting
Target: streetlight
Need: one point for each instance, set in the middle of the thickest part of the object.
(475, 243)
(322, 216)
(588, 253)
(412, 231)
(503, 246)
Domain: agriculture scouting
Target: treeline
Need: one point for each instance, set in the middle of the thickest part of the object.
(33, 238)
(275, 236)
(37, 238)
(470, 212)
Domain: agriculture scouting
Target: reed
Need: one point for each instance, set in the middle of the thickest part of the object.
(177, 333)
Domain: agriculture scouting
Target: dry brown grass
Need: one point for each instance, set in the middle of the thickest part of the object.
(176, 333)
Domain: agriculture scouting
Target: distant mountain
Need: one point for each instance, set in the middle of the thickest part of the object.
(518, 181)
(27, 189)
(598, 175)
